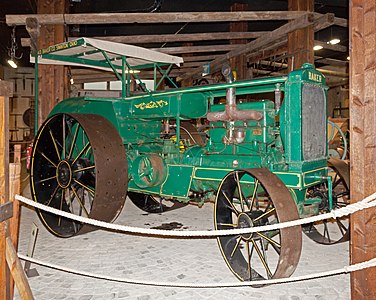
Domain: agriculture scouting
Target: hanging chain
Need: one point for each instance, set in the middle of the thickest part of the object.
(13, 45)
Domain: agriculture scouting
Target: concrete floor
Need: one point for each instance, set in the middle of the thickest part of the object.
(167, 260)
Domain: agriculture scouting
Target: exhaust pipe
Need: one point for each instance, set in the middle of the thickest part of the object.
(231, 112)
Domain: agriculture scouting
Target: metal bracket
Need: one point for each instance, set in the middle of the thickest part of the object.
(30, 252)
(6, 211)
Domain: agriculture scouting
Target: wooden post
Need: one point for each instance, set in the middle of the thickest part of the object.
(300, 42)
(6, 91)
(51, 78)
(363, 141)
(239, 63)
(17, 271)
(14, 188)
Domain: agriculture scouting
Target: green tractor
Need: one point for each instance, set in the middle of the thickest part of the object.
(261, 155)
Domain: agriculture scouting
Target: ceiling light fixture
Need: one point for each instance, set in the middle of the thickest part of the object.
(334, 41)
(12, 63)
(348, 58)
(317, 47)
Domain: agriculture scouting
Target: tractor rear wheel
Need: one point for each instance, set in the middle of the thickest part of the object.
(78, 166)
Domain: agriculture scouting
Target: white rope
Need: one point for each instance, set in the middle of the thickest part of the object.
(356, 267)
(337, 213)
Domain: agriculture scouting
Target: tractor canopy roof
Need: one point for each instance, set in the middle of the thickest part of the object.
(103, 55)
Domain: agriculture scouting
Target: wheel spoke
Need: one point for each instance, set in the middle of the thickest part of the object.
(81, 152)
(61, 205)
(72, 210)
(73, 142)
(46, 179)
(254, 195)
(52, 196)
(85, 187)
(271, 241)
(341, 227)
(64, 137)
(49, 160)
(80, 202)
(236, 212)
(236, 246)
(228, 225)
(262, 259)
(249, 259)
(336, 183)
(239, 190)
(84, 169)
(326, 230)
(54, 142)
(264, 255)
(264, 214)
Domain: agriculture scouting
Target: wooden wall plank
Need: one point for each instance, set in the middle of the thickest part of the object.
(363, 141)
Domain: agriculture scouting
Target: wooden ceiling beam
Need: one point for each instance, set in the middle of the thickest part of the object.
(331, 61)
(187, 37)
(171, 38)
(196, 49)
(321, 22)
(341, 22)
(201, 57)
(257, 44)
(278, 49)
(144, 18)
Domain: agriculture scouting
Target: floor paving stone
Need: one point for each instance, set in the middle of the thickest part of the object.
(165, 260)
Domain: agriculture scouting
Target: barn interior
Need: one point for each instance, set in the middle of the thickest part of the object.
(260, 40)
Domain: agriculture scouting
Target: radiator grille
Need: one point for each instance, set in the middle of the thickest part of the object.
(314, 122)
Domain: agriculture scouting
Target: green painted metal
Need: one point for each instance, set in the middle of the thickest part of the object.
(280, 141)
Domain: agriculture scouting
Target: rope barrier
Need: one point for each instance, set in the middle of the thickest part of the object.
(355, 267)
(367, 202)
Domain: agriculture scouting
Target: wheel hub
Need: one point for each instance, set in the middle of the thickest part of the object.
(64, 174)
(244, 221)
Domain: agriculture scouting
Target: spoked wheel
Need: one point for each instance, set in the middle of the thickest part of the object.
(150, 204)
(255, 197)
(78, 166)
(332, 231)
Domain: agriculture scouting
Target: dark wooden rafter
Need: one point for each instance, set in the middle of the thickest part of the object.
(331, 61)
(165, 38)
(182, 37)
(196, 49)
(257, 44)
